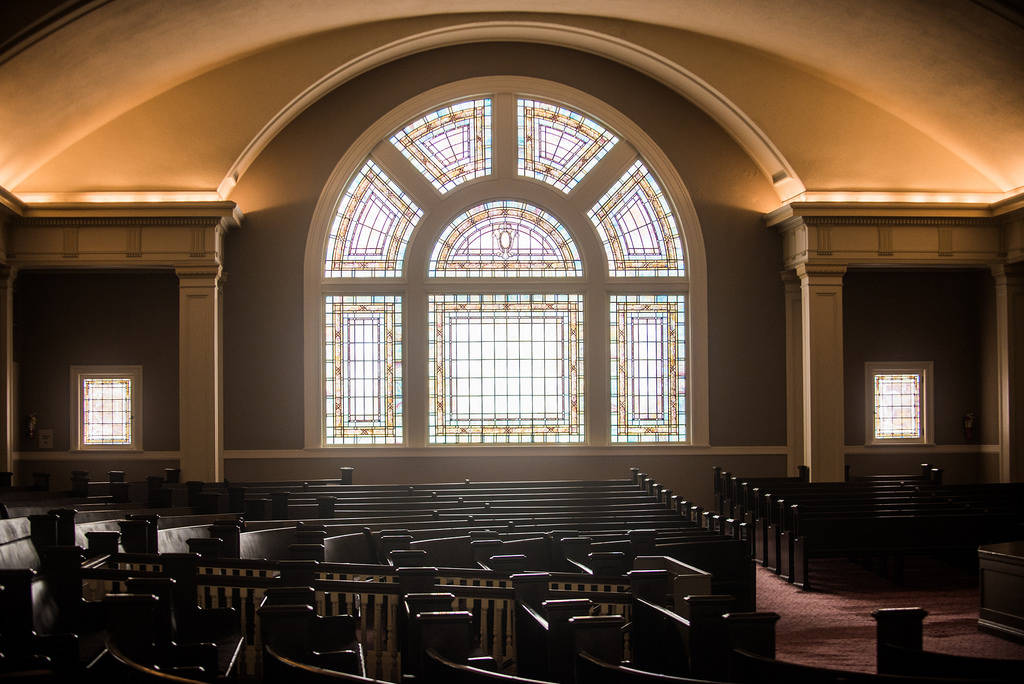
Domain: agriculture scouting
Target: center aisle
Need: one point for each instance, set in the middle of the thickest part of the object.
(832, 625)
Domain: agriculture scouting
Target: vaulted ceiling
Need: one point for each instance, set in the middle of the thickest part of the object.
(145, 98)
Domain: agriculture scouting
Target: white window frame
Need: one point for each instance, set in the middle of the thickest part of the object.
(414, 285)
(922, 368)
(80, 373)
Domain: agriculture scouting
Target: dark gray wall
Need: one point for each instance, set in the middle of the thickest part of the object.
(64, 319)
(945, 317)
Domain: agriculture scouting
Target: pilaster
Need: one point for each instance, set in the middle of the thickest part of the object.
(821, 290)
(1009, 286)
(794, 372)
(200, 373)
(7, 391)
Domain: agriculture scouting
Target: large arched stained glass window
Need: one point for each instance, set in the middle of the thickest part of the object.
(484, 288)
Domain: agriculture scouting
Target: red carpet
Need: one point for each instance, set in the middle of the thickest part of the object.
(831, 626)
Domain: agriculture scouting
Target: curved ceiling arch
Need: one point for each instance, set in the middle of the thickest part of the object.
(921, 96)
(729, 116)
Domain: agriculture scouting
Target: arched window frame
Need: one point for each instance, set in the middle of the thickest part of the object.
(571, 209)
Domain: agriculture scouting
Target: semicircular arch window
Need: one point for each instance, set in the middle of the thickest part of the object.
(527, 337)
(505, 238)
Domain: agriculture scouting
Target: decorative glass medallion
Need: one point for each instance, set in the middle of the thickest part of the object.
(637, 228)
(451, 145)
(897, 405)
(557, 145)
(505, 238)
(506, 368)
(648, 368)
(372, 227)
(363, 370)
(106, 411)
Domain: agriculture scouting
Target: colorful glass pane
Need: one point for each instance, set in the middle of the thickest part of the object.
(363, 370)
(505, 239)
(451, 145)
(648, 368)
(506, 368)
(637, 228)
(372, 227)
(557, 145)
(106, 411)
(897, 405)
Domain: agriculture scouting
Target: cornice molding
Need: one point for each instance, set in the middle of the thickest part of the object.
(120, 235)
(897, 234)
(10, 204)
(898, 220)
(120, 221)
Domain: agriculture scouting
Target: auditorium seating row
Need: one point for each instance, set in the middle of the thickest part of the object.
(557, 581)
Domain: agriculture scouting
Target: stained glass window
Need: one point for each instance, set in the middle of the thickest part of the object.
(506, 368)
(637, 228)
(897, 405)
(372, 227)
(648, 368)
(106, 411)
(363, 369)
(503, 239)
(451, 145)
(106, 407)
(557, 145)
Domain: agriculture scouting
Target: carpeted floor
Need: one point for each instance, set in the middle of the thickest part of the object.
(831, 626)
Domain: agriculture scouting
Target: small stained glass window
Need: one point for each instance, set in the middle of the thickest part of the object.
(506, 368)
(557, 145)
(897, 406)
(505, 238)
(363, 373)
(107, 411)
(648, 368)
(449, 146)
(372, 227)
(637, 227)
(107, 403)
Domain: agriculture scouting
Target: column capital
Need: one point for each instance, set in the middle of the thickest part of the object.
(205, 275)
(822, 274)
(1008, 275)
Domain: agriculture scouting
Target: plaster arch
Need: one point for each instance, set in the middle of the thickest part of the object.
(727, 114)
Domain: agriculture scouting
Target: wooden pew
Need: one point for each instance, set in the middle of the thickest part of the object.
(446, 656)
(899, 643)
(280, 668)
(119, 667)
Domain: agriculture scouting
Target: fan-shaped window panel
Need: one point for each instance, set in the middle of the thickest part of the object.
(557, 145)
(371, 228)
(637, 228)
(505, 238)
(449, 146)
